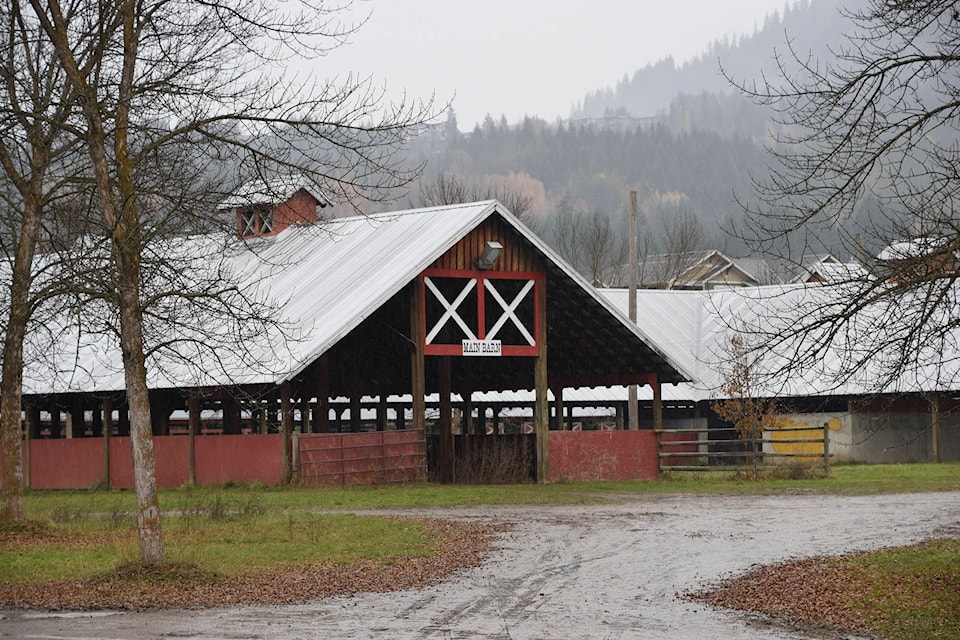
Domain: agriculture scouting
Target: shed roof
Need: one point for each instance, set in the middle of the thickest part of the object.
(273, 191)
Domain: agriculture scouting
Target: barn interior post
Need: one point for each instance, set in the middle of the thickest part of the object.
(33, 420)
(557, 421)
(447, 457)
(286, 429)
(935, 419)
(541, 408)
(321, 416)
(417, 373)
(193, 410)
(106, 411)
(382, 412)
(657, 413)
(305, 396)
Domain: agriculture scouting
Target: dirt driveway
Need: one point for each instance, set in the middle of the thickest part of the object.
(601, 571)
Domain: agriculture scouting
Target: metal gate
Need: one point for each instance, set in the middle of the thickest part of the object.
(374, 457)
(721, 449)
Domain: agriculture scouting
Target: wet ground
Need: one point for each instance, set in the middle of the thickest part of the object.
(567, 572)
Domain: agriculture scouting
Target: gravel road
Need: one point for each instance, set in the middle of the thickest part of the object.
(610, 570)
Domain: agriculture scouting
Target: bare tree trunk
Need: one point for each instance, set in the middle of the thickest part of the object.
(11, 443)
(121, 216)
(141, 434)
(10, 437)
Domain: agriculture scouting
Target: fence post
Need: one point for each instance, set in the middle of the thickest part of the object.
(826, 448)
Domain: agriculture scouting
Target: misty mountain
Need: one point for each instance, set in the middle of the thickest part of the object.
(808, 26)
(678, 135)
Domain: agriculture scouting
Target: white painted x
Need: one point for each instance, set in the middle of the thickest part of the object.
(451, 309)
(509, 311)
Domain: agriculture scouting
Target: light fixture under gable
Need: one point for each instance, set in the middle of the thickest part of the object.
(491, 251)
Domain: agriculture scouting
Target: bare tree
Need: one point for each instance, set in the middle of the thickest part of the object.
(178, 75)
(743, 402)
(591, 244)
(35, 153)
(866, 155)
(452, 189)
(676, 248)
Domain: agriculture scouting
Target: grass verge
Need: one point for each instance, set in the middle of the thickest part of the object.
(905, 593)
(228, 545)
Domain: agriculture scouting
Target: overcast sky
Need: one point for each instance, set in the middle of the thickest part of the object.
(529, 57)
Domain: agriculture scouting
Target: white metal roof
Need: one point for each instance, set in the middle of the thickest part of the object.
(324, 280)
(695, 328)
(273, 191)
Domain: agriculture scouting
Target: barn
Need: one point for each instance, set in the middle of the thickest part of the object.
(383, 330)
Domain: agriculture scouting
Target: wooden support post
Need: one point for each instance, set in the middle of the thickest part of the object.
(447, 467)
(826, 448)
(469, 426)
(633, 408)
(417, 363)
(557, 422)
(34, 429)
(231, 415)
(286, 429)
(356, 394)
(541, 409)
(305, 396)
(123, 420)
(935, 419)
(382, 412)
(657, 413)
(106, 411)
(193, 409)
(96, 421)
(56, 427)
(75, 425)
(321, 415)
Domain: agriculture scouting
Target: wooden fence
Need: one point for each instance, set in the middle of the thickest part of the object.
(721, 449)
(362, 458)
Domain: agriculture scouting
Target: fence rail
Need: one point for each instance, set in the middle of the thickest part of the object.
(713, 449)
(362, 458)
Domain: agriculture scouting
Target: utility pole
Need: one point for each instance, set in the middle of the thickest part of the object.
(633, 410)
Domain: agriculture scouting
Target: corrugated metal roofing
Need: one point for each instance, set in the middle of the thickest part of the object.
(267, 192)
(324, 279)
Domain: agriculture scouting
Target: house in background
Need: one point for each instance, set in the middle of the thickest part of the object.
(697, 270)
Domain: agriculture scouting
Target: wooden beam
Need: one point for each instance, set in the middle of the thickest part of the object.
(106, 409)
(447, 467)
(541, 409)
(193, 409)
(417, 365)
(935, 418)
(321, 416)
(657, 415)
(286, 429)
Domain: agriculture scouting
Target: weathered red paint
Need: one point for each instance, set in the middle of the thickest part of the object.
(362, 458)
(239, 458)
(679, 437)
(78, 463)
(603, 455)
(66, 463)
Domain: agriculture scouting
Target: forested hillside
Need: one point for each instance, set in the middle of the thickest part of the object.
(678, 135)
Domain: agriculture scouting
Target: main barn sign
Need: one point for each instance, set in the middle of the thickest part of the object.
(480, 313)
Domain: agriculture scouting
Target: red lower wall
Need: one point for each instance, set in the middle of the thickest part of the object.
(78, 463)
(603, 455)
